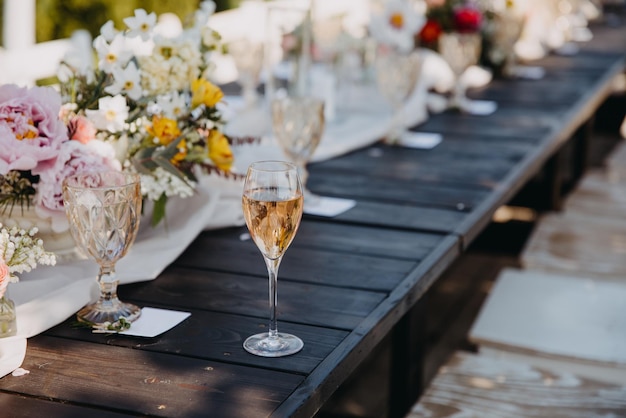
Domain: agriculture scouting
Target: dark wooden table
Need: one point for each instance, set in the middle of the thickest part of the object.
(346, 283)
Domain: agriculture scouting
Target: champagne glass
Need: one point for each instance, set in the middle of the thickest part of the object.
(248, 57)
(103, 209)
(396, 77)
(298, 123)
(272, 206)
(460, 50)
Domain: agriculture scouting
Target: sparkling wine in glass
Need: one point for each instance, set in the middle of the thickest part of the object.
(272, 205)
(396, 77)
(298, 123)
(103, 209)
(460, 50)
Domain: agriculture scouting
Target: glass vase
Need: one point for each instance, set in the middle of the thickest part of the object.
(8, 324)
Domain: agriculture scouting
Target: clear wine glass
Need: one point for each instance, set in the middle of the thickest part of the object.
(298, 123)
(396, 77)
(248, 57)
(460, 50)
(103, 209)
(272, 205)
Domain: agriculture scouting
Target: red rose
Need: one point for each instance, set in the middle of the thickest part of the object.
(467, 19)
(430, 32)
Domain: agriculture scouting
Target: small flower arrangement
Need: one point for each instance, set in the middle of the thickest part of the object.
(20, 252)
(150, 97)
(37, 153)
(397, 25)
(464, 16)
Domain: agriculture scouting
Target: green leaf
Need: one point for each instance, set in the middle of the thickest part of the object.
(158, 212)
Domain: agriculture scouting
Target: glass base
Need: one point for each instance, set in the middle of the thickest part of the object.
(108, 311)
(265, 346)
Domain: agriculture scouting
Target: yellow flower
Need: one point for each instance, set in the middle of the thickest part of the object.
(166, 130)
(219, 150)
(205, 92)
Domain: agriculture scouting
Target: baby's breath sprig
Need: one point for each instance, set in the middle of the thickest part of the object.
(22, 251)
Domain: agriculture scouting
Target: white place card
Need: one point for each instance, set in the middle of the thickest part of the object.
(328, 206)
(154, 321)
(420, 140)
(528, 72)
(480, 107)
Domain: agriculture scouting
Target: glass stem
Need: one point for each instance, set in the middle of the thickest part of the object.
(458, 95)
(108, 284)
(397, 125)
(272, 271)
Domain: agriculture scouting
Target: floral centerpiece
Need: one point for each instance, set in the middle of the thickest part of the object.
(151, 98)
(37, 151)
(463, 16)
(20, 251)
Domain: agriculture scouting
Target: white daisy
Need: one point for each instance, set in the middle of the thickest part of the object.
(172, 106)
(111, 114)
(108, 31)
(141, 24)
(111, 55)
(126, 81)
(397, 25)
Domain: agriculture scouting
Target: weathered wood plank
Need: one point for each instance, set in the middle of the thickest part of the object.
(15, 406)
(305, 265)
(148, 383)
(219, 337)
(403, 192)
(332, 307)
(403, 217)
(481, 386)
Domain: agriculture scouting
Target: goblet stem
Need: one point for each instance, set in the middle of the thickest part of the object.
(310, 198)
(458, 96)
(272, 271)
(396, 129)
(108, 308)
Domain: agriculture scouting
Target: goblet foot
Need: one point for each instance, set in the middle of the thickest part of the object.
(108, 311)
(279, 345)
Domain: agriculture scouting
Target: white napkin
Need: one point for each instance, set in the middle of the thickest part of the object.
(49, 295)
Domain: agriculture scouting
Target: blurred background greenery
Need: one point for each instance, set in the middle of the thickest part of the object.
(59, 18)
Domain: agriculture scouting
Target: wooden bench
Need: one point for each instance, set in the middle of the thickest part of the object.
(490, 386)
(549, 346)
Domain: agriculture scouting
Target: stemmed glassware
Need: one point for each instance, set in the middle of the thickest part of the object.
(248, 57)
(396, 76)
(272, 205)
(103, 209)
(460, 50)
(298, 123)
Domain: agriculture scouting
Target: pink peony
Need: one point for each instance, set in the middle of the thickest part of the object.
(4, 276)
(81, 129)
(30, 128)
(74, 157)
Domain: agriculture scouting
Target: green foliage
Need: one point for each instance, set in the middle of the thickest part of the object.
(59, 18)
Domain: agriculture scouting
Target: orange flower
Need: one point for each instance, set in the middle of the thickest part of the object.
(219, 150)
(205, 92)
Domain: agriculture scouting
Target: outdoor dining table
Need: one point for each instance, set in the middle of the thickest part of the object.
(347, 283)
